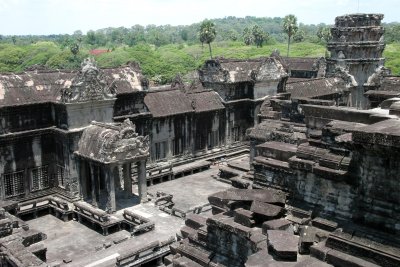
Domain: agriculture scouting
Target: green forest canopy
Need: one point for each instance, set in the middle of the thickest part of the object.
(164, 51)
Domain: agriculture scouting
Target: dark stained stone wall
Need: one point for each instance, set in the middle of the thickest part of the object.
(25, 117)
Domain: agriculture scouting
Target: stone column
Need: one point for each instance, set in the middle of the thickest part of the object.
(252, 153)
(110, 180)
(83, 175)
(98, 177)
(27, 181)
(78, 163)
(142, 181)
(92, 177)
(227, 137)
(193, 135)
(127, 178)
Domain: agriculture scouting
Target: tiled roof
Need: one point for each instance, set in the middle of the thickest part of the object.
(206, 101)
(167, 103)
(301, 63)
(236, 71)
(33, 87)
(44, 86)
(96, 52)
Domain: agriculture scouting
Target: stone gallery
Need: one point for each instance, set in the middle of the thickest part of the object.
(263, 162)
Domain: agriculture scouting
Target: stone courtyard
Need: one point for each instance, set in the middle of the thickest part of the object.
(188, 191)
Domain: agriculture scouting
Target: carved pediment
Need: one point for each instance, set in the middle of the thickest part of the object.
(88, 85)
(113, 143)
(125, 143)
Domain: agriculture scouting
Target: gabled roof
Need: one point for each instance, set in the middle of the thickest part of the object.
(112, 142)
(206, 101)
(301, 63)
(32, 87)
(167, 103)
(237, 71)
(314, 88)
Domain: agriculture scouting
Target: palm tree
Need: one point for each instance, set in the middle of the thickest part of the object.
(259, 35)
(247, 36)
(290, 28)
(207, 33)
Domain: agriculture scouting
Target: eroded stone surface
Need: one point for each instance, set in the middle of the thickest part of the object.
(283, 244)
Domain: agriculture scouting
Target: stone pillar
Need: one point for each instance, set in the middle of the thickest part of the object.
(27, 181)
(252, 153)
(98, 177)
(227, 137)
(83, 176)
(78, 164)
(110, 180)
(93, 180)
(142, 181)
(192, 135)
(127, 178)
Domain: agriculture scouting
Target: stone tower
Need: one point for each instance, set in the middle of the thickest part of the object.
(356, 52)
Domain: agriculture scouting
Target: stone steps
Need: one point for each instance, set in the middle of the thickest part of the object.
(340, 259)
(277, 150)
(363, 248)
(273, 164)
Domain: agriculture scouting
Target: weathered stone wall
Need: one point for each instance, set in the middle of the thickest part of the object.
(235, 91)
(207, 124)
(240, 116)
(60, 115)
(230, 240)
(127, 104)
(323, 195)
(165, 130)
(378, 187)
(81, 114)
(265, 88)
(23, 118)
(24, 154)
(368, 195)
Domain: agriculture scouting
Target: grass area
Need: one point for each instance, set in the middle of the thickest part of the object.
(163, 63)
(392, 55)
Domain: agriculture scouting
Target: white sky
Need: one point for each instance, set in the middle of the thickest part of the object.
(34, 17)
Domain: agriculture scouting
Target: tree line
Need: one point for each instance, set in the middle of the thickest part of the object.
(164, 51)
(228, 28)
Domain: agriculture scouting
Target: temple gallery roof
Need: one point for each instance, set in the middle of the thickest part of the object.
(314, 88)
(170, 102)
(206, 101)
(236, 71)
(301, 63)
(112, 143)
(47, 86)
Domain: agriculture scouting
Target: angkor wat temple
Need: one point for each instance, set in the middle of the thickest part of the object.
(263, 162)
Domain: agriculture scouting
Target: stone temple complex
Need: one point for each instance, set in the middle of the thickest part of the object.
(263, 162)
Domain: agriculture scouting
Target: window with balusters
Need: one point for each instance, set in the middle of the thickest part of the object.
(14, 183)
(40, 178)
(60, 176)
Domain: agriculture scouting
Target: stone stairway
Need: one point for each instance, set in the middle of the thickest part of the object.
(344, 249)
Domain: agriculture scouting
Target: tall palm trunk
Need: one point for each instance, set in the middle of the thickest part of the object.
(209, 47)
(288, 46)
